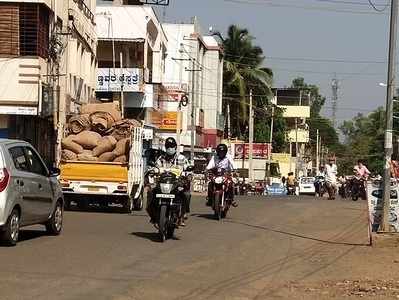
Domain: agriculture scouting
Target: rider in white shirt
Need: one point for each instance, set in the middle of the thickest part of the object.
(223, 161)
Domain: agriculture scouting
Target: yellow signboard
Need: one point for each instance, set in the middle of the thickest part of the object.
(170, 120)
(281, 157)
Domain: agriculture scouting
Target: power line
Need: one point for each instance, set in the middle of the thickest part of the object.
(377, 9)
(305, 7)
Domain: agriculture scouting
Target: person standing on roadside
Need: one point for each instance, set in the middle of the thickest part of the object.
(331, 178)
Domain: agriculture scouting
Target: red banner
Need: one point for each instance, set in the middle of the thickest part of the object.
(259, 150)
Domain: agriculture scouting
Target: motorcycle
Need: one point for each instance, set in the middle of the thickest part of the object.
(357, 188)
(291, 190)
(320, 186)
(222, 183)
(168, 193)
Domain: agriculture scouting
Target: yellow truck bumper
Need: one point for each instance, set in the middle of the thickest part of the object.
(94, 171)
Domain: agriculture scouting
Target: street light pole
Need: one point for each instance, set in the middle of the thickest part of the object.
(389, 114)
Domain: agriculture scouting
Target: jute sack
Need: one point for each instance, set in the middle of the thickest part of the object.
(68, 155)
(122, 147)
(69, 144)
(87, 139)
(111, 108)
(79, 123)
(101, 121)
(87, 155)
(105, 144)
(107, 157)
(121, 159)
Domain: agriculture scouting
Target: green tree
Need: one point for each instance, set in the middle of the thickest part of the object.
(364, 136)
(243, 71)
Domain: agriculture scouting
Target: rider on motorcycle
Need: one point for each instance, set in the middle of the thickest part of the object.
(361, 170)
(171, 159)
(291, 181)
(221, 160)
(361, 175)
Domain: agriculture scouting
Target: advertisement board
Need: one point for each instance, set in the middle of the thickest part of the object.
(259, 150)
(112, 80)
(166, 120)
(375, 203)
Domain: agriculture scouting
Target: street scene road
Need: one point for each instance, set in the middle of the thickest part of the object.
(267, 248)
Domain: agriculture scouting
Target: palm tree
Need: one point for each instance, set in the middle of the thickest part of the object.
(242, 71)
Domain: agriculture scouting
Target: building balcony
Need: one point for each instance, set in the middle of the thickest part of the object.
(295, 111)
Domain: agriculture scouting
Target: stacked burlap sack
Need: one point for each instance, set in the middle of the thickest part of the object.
(98, 134)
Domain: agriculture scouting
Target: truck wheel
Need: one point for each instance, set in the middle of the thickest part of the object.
(138, 203)
(128, 205)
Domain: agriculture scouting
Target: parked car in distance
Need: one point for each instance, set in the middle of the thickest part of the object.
(276, 189)
(306, 186)
(30, 193)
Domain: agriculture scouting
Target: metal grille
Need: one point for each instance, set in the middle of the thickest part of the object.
(34, 30)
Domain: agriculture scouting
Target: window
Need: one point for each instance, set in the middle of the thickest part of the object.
(35, 163)
(24, 29)
(19, 158)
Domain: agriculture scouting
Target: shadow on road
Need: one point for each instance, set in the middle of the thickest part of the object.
(26, 235)
(297, 235)
(204, 216)
(152, 236)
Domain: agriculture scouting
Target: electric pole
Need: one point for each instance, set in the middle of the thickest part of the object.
(193, 128)
(389, 114)
(317, 152)
(122, 98)
(251, 138)
(334, 86)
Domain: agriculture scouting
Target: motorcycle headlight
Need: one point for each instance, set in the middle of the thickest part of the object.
(166, 188)
(219, 180)
(180, 189)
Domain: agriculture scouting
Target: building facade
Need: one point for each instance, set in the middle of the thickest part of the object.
(131, 60)
(194, 69)
(47, 61)
(296, 110)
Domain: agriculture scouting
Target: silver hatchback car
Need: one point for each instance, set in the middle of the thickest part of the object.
(29, 192)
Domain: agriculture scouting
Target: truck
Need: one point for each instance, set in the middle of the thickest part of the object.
(104, 183)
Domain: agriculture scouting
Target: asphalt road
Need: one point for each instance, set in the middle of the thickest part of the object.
(262, 245)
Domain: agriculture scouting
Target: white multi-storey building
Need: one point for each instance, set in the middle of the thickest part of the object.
(194, 68)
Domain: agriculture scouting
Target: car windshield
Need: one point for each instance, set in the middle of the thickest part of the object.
(307, 180)
(275, 185)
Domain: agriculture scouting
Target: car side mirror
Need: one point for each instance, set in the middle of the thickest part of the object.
(54, 172)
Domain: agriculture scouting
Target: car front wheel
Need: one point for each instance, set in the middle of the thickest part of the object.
(54, 224)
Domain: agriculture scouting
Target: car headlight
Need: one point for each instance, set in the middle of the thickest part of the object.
(166, 188)
(219, 180)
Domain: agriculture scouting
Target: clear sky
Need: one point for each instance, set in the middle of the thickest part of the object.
(321, 30)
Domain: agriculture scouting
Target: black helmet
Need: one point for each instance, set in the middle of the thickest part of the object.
(170, 146)
(221, 151)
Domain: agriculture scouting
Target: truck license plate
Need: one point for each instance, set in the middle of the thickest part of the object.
(93, 189)
(165, 196)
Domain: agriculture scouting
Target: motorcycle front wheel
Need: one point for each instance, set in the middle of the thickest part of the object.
(162, 223)
(217, 208)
